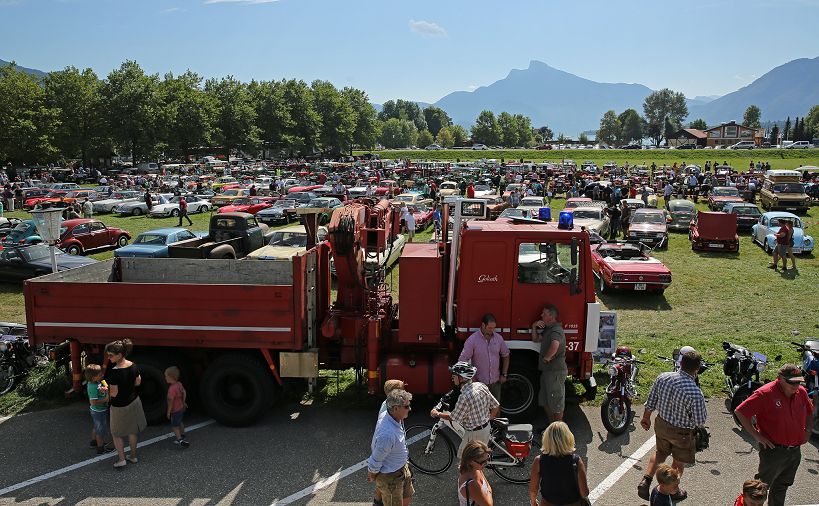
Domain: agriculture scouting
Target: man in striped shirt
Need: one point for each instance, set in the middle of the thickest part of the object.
(680, 407)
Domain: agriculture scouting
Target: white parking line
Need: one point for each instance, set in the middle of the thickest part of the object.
(622, 469)
(100, 458)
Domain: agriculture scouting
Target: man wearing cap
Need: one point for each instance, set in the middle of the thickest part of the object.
(784, 417)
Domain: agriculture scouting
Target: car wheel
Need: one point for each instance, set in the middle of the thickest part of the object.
(74, 250)
(204, 209)
(137, 211)
(122, 241)
(767, 248)
(174, 213)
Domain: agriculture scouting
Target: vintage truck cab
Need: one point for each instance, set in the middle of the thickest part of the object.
(782, 190)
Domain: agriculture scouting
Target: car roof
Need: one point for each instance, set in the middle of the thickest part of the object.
(77, 221)
(780, 214)
(649, 210)
(164, 231)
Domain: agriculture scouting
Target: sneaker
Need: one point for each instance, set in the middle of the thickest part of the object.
(119, 465)
(132, 460)
(184, 443)
(104, 449)
(771, 266)
(643, 488)
(177, 441)
(681, 495)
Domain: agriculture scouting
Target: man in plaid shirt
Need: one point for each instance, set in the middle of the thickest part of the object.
(680, 407)
(475, 407)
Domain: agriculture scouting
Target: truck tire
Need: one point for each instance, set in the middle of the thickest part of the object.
(237, 390)
(223, 252)
(519, 393)
(153, 390)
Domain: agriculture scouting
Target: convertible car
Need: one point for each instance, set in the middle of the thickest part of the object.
(628, 266)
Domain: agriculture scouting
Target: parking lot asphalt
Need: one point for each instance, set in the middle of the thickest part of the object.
(46, 460)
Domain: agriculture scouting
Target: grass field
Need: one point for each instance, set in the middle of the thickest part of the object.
(713, 298)
(739, 159)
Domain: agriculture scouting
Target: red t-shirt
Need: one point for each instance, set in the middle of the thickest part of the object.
(176, 397)
(780, 418)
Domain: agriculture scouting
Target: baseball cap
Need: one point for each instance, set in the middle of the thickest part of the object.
(791, 374)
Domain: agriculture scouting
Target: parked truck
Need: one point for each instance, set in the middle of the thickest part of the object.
(240, 329)
(230, 235)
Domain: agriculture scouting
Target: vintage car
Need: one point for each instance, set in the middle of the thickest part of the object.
(764, 232)
(783, 190)
(228, 196)
(116, 198)
(520, 187)
(592, 218)
(495, 204)
(515, 212)
(422, 214)
(412, 198)
(53, 195)
(138, 207)
(484, 190)
(154, 243)
(721, 195)
(278, 213)
(250, 205)
(324, 203)
(357, 192)
(195, 205)
(285, 243)
(681, 212)
(576, 202)
(747, 214)
(82, 235)
(628, 266)
(18, 263)
(714, 231)
(648, 226)
(223, 181)
(25, 232)
(632, 204)
(448, 188)
(387, 188)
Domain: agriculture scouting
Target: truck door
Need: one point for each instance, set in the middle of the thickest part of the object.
(543, 271)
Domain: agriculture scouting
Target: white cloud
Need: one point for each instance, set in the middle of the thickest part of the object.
(10, 2)
(427, 28)
(245, 2)
(170, 10)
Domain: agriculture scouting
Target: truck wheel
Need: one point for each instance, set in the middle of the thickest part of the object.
(237, 390)
(153, 390)
(223, 252)
(519, 393)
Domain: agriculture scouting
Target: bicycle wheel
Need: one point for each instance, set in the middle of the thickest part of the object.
(513, 470)
(430, 453)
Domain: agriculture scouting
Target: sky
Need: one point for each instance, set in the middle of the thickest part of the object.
(418, 49)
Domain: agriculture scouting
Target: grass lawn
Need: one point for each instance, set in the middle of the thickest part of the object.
(713, 298)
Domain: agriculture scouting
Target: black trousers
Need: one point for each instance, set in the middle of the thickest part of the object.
(777, 468)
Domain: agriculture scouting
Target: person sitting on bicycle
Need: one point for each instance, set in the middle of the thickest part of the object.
(475, 406)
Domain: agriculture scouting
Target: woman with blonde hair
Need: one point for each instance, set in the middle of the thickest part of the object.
(558, 473)
(473, 488)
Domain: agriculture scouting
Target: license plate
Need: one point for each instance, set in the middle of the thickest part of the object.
(714, 245)
(639, 286)
(790, 209)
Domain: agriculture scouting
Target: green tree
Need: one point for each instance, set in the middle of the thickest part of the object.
(337, 118)
(436, 119)
(188, 112)
(583, 138)
(752, 116)
(235, 114)
(486, 130)
(398, 133)
(631, 126)
(133, 107)
(545, 133)
(459, 135)
(26, 122)
(663, 108)
(787, 131)
(403, 109)
(76, 99)
(610, 128)
(302, 134)
(698, 124)
(507, 129)
(524, 128)
(425, 138)
(367, 126)
(273, 114)
(774, 138)
(812, 120)
(445, 138)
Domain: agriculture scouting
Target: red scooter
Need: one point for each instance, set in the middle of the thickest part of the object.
(616, 408)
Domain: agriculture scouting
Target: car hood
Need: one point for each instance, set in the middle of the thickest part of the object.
(165, 207)
(728, 198)
(650, 264)
(64, 262)
(141, 250)
(647, 227)
(799, 235)
(274, 211)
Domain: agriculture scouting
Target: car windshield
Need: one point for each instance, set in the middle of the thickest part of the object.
(789, 188)
(448, 186)
(747, 211)
(302, 198)
(777, 222)
(284, 204)
(20, 231)
(588, 214)
(231, 192)
(319, 203)
(513, 213)
(405, 198)
(241, 202)
(291, 239)
(726, 192)
(37, 252)
(682, 207)
(151, 239)
(532, 202)
(482, 188)
(653, 218)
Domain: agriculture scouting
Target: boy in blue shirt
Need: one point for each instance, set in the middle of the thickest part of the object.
(98, 398)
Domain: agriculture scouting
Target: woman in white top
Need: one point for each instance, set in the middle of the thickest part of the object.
(473, 488)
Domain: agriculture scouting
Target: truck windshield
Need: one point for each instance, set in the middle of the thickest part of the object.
(544, 263)
(789, 188)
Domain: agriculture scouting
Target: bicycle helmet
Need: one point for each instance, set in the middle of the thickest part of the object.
(464, 370)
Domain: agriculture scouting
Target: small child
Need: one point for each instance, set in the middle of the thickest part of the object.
(176, 405)
(98, 398)
(668, 484)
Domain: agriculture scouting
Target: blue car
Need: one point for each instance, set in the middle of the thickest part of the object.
(154, 243)
(764, 232)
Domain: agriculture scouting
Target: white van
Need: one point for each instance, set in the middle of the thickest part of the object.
(799, 145)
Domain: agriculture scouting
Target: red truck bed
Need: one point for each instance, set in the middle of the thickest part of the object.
(174, 302)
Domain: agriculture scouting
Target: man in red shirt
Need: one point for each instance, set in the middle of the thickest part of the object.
(470, 191)
(784, 417)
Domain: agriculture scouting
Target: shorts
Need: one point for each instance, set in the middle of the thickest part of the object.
(782, 249)
(552, 395)
(395, 487)
(675, 441)
(176, 418)
(101, 424)
(411, 233)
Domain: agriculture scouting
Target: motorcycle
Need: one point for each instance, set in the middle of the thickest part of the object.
(742, 368)
(16, 358)
(810, 368)
(675, 360)
(616, 408)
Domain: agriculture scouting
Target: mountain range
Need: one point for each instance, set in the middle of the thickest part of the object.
(571, 104)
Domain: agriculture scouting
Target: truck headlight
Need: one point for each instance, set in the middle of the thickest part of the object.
(632, 234)
(660, 236)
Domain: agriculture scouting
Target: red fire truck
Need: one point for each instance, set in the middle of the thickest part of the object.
(238, 329)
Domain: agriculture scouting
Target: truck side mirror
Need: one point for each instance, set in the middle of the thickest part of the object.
(573, 288)
(574, 250)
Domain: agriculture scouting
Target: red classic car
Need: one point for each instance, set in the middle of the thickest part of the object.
(50, 197)
(387, 187)
(82, 235)
(628, 266)
(714, 232)
(250, 205)
(422, 214)
(721, 195)
(304, 188)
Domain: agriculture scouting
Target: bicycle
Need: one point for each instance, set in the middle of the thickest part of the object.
(432, 451)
